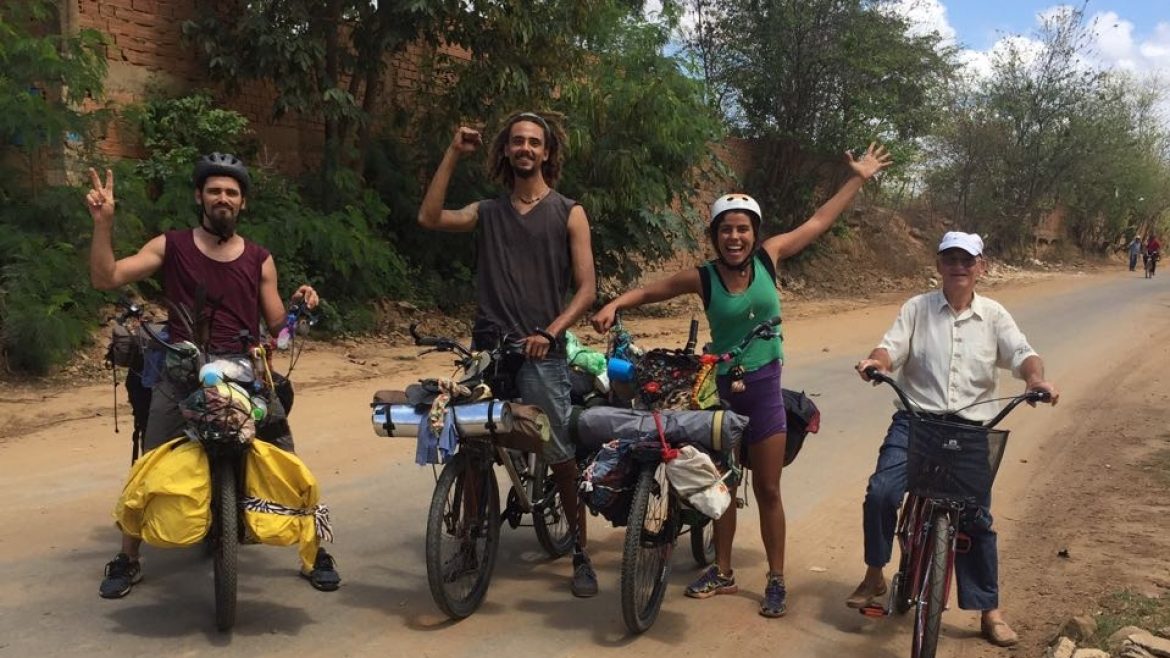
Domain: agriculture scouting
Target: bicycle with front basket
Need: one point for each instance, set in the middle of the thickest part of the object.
(464, 518)
(951, 465)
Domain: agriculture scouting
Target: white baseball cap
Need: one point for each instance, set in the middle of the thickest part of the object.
(968, 242)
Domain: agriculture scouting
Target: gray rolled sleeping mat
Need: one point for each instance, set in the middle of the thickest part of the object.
(715, 431)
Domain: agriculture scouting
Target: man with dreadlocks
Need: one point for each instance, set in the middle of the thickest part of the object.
(738, 289)
(237, 278)
(533, 249)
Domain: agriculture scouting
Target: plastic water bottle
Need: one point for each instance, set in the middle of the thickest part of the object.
(259, 408)
(235, 371)
(211, 374)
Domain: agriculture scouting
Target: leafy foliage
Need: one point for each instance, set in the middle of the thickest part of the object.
(1047, 131)
(44, 303)
(813, 78)
(639, 133)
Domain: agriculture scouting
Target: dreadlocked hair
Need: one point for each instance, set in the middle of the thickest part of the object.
(498, 168)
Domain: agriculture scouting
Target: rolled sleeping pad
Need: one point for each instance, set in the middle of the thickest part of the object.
(716, 431)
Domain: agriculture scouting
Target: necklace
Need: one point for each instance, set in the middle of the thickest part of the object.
(532, 199)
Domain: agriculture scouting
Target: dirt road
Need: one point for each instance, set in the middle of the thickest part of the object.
(60, 474)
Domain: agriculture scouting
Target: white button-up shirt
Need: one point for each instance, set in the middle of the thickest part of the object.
(947, 361)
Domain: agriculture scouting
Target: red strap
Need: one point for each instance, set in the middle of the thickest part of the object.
(668, 453)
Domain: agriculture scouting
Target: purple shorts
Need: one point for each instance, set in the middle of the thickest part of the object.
(761, 401)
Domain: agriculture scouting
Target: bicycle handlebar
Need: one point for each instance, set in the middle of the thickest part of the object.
(1028, 396)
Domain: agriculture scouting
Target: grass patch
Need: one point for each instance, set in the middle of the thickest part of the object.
(1126, 608)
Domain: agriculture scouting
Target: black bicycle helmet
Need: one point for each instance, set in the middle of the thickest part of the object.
(222, 164)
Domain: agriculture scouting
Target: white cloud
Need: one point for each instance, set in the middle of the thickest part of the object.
(926, 17)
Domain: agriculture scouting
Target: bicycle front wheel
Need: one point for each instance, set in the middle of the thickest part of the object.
(463, 533)
(226, 544)
(549, 517)
(650, 535)
(932, 598)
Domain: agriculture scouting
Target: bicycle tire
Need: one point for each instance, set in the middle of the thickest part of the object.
(459, 594)
(646, 552)
(703, 543)
(549, 519)
(227, 543)
(932, 598)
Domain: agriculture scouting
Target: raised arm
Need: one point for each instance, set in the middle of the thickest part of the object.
(432, 215)
(782, 246)
(661, 290)
(106, 272)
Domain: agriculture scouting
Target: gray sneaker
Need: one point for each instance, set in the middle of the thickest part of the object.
(712, 582)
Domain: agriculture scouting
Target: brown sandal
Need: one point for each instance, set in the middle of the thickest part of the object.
(864, 596)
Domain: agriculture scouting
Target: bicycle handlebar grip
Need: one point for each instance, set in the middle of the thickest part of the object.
(1039, 396)
(774, 322)
(425, 341)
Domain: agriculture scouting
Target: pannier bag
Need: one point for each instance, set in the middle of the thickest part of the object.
(281, 502)
(803, 418)
(607, 485)
(167, 498)
(694, 476)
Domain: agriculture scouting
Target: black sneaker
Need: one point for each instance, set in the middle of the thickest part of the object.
(324, 575)
(122, 574)
(584, 583)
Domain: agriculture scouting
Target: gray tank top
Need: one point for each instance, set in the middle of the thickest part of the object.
(524, 273)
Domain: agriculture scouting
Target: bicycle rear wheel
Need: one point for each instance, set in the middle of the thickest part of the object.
(932, 596)
(549, 518)
(463, 533)
(650, 535)
(226, 544)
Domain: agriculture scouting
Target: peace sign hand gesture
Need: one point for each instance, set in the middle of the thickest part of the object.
(100, 199)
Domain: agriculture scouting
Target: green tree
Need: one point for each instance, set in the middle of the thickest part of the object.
(326, 59)
(639, 133)
(1046, 131)
(46, 305)
(811, 78)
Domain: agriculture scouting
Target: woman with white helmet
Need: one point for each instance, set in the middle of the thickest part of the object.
(738, 289)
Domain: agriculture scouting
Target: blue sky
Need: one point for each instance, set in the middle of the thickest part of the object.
(1132, 35)
(980, 23)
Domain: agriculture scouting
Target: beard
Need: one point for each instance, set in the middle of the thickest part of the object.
(222, 220)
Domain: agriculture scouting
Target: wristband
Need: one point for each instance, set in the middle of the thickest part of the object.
(546, 335)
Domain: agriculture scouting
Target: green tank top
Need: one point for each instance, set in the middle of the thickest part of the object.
(732, 316)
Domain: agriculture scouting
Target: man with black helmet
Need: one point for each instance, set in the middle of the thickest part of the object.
(211, 269)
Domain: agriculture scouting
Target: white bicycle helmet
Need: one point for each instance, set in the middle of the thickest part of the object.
(737, 201)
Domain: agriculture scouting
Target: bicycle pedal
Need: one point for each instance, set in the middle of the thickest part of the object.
(962, 543)
(874, 611)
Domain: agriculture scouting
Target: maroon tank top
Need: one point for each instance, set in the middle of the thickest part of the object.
(232, 290)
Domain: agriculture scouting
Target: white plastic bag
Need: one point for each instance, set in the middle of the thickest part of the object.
(694, 476)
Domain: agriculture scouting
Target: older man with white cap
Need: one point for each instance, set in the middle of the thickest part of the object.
(947, 346)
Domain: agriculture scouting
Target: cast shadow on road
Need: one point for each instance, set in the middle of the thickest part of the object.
(177, 599)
